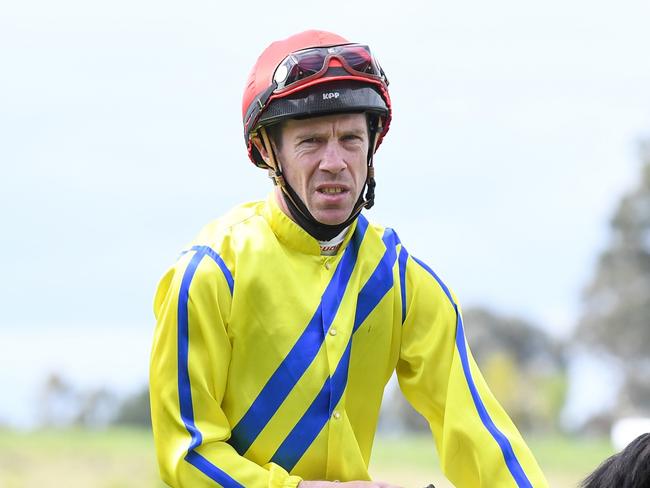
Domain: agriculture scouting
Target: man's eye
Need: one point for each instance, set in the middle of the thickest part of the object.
(351, 137)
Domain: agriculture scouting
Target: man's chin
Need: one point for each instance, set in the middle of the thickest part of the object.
(332, 216)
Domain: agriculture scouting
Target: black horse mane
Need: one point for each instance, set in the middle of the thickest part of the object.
(629, 468)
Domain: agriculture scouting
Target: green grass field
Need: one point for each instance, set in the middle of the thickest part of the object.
(125, 458)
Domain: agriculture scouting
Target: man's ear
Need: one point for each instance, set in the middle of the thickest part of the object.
(261, 148)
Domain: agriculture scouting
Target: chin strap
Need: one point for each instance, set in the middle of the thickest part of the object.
(298, 209)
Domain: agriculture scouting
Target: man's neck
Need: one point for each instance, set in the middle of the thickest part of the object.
(281, 203)
(291, 205)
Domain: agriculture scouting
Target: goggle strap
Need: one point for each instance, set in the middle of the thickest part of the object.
(257, 107)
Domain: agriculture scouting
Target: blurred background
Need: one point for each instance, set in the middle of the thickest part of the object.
(517, 166)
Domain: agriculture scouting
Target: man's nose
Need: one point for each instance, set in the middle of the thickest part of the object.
(333, 158)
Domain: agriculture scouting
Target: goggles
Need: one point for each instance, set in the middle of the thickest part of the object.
(307, 64)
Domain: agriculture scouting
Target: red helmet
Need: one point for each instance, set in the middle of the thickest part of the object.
(310, 74)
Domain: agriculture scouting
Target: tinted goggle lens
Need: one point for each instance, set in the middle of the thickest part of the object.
(360, 59)
(308, 62)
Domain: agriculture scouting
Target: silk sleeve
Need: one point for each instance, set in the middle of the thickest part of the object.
(477, 443)
(189, 375)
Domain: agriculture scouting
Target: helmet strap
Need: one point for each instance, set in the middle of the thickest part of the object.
(275, 173)
(299, 211)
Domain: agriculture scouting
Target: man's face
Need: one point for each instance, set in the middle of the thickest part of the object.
(324, 159)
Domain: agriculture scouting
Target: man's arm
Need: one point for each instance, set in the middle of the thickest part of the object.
(189, 370)
(477, 443)
(348, 484)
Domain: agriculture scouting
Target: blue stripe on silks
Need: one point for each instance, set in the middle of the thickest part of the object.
(210, 470)
(331, 301)
(506, 448)
(301, 436)
(380, 281)
(403, 256)
(278, 386)
(302, 354)
(208, 251)
(184, 387)
(314, 419)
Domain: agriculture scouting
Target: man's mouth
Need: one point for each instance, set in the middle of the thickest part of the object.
(332, 188)
(331, 191)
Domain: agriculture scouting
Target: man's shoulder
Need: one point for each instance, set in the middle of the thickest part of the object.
(228, 224)
(381, 232)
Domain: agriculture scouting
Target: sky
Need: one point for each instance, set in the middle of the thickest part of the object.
(514, 135)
